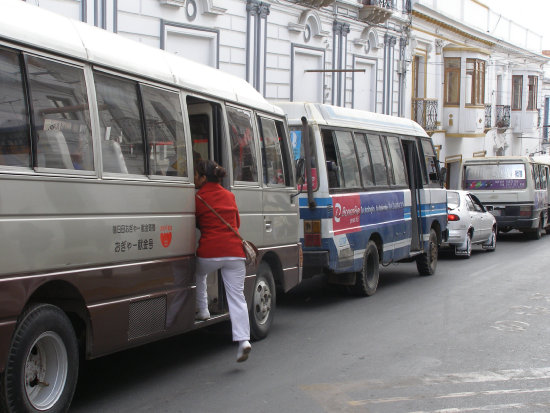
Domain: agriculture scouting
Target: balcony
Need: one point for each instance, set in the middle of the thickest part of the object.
(425, 113)
(376, 11)
(503, 116)
(488, 116)
(315, 3)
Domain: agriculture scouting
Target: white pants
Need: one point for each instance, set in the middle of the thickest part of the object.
(233, 273)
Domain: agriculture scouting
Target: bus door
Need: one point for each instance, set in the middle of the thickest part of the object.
(412, 162)
(243, 151)
(206, 126)
(280, 215)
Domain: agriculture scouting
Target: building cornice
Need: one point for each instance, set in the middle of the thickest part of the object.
(451, 28)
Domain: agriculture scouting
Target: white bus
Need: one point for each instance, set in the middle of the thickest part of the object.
(513, 188)
(373, 194)
(97, 206)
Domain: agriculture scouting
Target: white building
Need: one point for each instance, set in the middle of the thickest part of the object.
(476, 81)
(469, 76)
(345, 52)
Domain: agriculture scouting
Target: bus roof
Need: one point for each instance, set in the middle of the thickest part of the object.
(497, 159)
(351, 118)
(32, 26)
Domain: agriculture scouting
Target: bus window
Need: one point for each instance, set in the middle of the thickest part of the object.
(243, 149)
(432, 176)
(389, 165)
(120, 123)
(285, 152)
(398, 161)
(348, 159)
(14, 130)
(61, 115)
(272, 159)
(536, 175)
(364, 159)
(165, 135)
(334, 174)
(378, 161)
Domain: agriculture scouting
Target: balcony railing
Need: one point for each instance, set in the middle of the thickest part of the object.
(315, 3)
(425, 113)
(376, 11)
(488, 116)
(503, 116)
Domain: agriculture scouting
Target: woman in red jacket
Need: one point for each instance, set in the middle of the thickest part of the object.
(220, 248)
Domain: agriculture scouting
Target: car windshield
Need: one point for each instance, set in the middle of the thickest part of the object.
(453, 200)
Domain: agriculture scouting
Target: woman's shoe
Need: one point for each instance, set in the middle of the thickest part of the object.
(202, 315)
(244, 350)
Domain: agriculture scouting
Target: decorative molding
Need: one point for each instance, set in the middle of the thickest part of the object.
(175, 3)
(213, 7)
(309, 18)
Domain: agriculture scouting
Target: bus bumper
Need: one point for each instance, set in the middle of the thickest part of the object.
(519, 223)
(315, 262)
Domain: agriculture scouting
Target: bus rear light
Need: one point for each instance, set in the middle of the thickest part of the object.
(312, 240)
(453, 217)
(525, 211)
(312, 226)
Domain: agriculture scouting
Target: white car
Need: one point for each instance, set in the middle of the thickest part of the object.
(469, 223)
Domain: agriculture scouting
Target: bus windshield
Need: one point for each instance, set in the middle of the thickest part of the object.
(298, 149)
(495, 176)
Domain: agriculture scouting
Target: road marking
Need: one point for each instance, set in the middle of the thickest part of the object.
(451, 396)
(493, 408)
(337, 396)
(510, 325)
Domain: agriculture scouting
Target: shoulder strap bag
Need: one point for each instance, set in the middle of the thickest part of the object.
(249, 248)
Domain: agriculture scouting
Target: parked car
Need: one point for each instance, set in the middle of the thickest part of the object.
(469, 223)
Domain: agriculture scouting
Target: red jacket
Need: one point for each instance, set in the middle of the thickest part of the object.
(217, 240)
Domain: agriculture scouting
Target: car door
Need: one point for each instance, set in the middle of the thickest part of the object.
(485, 219)
(475, 219)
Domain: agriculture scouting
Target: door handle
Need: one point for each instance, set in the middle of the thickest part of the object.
(268, 227)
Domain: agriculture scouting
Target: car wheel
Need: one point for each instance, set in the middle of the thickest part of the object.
(262, 309)
(491, 244)
(366, 281)
(427, 262)
(42, 365)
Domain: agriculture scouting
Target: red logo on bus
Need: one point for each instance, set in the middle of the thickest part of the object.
(166, 235)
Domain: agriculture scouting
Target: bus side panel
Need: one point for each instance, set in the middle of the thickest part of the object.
(434, 209)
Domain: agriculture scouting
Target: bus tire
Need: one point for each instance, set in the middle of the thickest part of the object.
(42, 366)
(366, 280)
(537, 232)
(262, 310)
(426, 262)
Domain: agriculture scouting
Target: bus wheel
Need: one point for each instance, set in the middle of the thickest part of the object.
(42, 365)
(262, 310)
(366, 281)
(427, 262)
(536, 233)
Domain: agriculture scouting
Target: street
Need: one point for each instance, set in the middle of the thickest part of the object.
(473, 337)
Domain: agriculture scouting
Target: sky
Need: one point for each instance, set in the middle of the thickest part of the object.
(533, 14)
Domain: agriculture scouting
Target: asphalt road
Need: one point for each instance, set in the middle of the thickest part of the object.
(473, 337)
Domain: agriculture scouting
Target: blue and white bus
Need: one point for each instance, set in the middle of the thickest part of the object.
(373, 193)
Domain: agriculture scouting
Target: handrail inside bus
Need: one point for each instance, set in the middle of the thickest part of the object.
(305, 133)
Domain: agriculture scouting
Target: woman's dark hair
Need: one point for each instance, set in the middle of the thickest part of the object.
(210, 169)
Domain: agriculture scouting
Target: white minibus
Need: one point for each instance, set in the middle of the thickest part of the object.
(97, 205)
(513, 188)
(373, 194)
